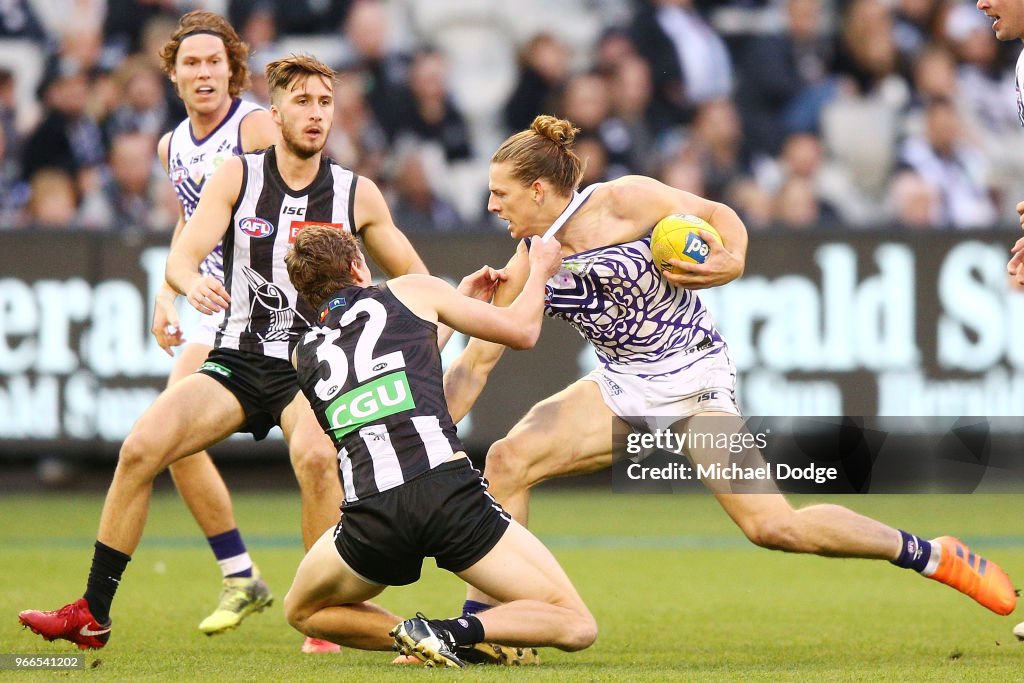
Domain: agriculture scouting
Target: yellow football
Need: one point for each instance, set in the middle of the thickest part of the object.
(678, 236)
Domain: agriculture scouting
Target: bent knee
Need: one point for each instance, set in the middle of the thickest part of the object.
(141, 452)
(581, 634)
(315, 458)
(506, 464)
(295, 612)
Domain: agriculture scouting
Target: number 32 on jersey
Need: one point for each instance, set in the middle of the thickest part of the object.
(381, 385)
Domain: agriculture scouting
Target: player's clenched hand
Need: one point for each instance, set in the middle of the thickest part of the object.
(207, 295)
(719, 267)
(482, 283)
(166, 328)
(1015, 267)
(546, 255)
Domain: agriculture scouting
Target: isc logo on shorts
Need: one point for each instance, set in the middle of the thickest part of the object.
(696, 248)
(298, 226)
(256, 227)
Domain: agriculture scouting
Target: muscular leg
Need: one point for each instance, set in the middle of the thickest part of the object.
(195, 476)
(568, 433)
(541, 606)
(315, 461)
(768, 519)
(834, 531)
(186, 418)
(328, 601)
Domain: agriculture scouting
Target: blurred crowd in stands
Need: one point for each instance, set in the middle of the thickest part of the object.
(801, 114)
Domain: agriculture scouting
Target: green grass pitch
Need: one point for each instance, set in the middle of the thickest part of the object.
(677, 591)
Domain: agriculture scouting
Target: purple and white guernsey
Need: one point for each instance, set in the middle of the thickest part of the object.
(190, 162)
(636, 320)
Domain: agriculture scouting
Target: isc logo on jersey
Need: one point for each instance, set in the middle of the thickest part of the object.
(256, 227)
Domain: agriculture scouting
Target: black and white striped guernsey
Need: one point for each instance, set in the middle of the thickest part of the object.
(371, 370)
(266, 315)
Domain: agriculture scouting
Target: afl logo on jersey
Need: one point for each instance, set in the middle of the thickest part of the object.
(179, 174)
(256, 227)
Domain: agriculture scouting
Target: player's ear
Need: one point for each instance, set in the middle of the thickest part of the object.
(355, 270)
(537, 191)
(275, 114)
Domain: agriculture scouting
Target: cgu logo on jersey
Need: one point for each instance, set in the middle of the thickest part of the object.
(299, 226)
(256, 227)
(371, 402)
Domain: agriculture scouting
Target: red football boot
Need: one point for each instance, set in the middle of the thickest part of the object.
(72, 622)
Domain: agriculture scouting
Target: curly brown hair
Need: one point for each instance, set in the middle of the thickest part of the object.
(544, 150)
(321, 262)
(201, 21)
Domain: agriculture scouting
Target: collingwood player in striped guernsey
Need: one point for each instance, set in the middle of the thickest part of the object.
(256, 203)
(662, 360)
(208, 64)
(1008, 24)
(371, 369)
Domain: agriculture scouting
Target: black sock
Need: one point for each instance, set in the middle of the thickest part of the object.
(465, 630)
(104, 576)
(914, 553)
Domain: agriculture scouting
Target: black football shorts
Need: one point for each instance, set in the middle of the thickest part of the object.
(445, 513)
(262, 384)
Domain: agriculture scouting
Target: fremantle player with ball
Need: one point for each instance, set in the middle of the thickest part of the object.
(661, 357)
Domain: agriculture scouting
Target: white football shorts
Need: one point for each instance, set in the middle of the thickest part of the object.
(705, 386)
(200, 328)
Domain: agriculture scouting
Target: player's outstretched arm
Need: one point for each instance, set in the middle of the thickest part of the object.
(201, 234)
(385, 243)
(517, 325)
(642, 202)
(466, 377)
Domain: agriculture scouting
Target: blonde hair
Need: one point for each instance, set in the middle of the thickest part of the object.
(544, 150)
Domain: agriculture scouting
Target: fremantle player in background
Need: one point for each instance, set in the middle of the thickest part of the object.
(1008, 24)
(208, 64)
(256, 203)
(371, 369)
(660, 356)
